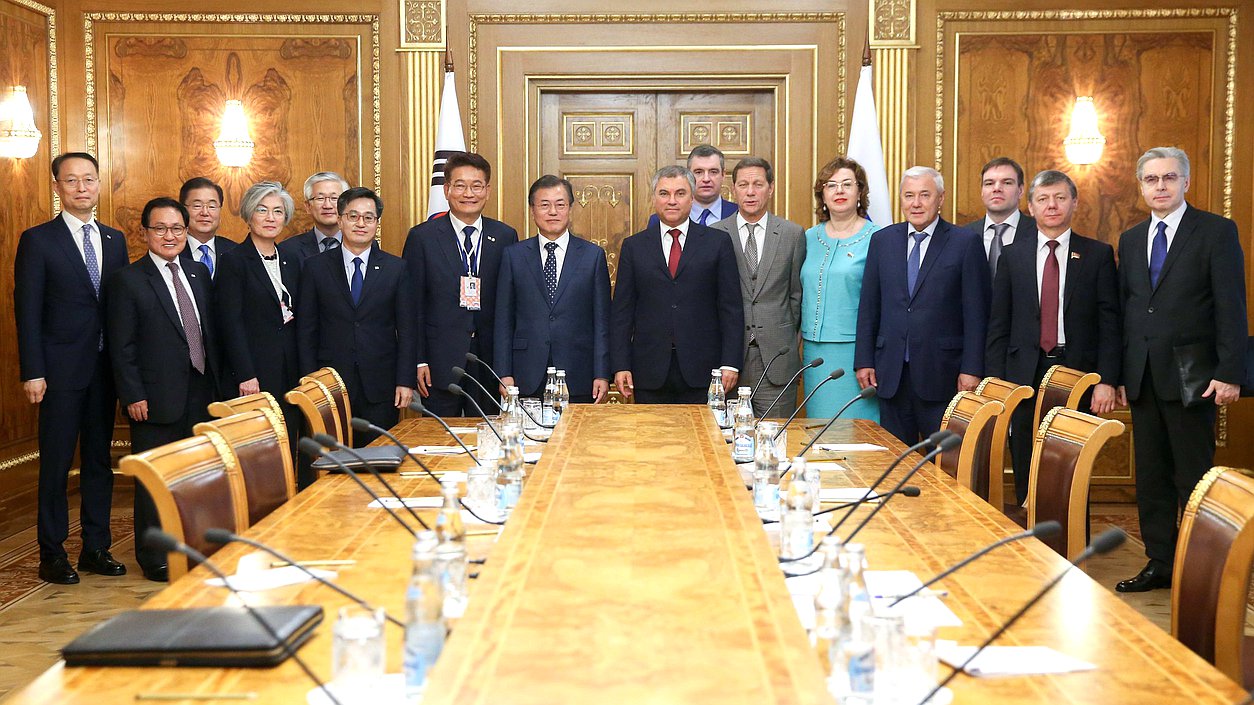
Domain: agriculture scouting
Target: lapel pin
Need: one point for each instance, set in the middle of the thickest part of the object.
(1075, 255)
(376, 266)
(192, 275)
(491, 239)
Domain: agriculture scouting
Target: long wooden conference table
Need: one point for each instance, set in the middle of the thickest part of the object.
(635, 570)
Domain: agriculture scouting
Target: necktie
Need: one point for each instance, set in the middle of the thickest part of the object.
(354, 288)
(468, 258)
(751, 250)
(1158, 254)
(329, 243)
(89, 258)
(672, 262)
(1049, 299)
(550, 270)
(912, 263)
(187, 314)
(994, 250)
(705, 215)
(206, 258)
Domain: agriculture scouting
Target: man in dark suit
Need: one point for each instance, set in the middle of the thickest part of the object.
(1001, 188)
(677, 311)
(322, 193)
(1059, 312)
(164, 349)
(923, 314)
(203, 200)
(769, 253)
(1182, 284)
(553, 303)
(60, 274)
(454, 262)
(356, 315)
(709, 170)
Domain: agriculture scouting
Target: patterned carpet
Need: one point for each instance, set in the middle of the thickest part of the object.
(19, 567)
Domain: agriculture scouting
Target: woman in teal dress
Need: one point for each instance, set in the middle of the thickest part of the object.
(831, 285)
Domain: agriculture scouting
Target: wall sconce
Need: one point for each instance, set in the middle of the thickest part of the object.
(19, 138)
(234, 145)
(1085, 143)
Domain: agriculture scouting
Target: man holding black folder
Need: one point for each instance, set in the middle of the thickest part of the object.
(1182, 284)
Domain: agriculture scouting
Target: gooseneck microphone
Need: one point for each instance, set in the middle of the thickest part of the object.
(417, 407)
(160, 540)
(471, 357)
(363, 425)
(457, 389)
(931, 440)
(467, 375)
(460, 373)
(1107, 541)
(223, 536)
(865, 393)
(329, 441)
(314, 449)
(782, 352)
(1042, 530)
(834, 374)
(949, 442)
(813, 363)
(908, 490)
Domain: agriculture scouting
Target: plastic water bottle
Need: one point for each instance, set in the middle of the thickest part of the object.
(742, 429)
(854, 557)
(509, 475)
(450, 566)
(831, 615)
(716, 398)
(549, 413)
(563, 393)
(424, 609)
(796, 520)
(514, 414)
(765, 469)
(449, 526)
(812, 477)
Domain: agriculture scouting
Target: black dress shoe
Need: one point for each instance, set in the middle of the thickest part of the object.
(157, 573)
(100, 562)
(1154, 575)
(57, 570)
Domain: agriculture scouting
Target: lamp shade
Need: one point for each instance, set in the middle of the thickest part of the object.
(1085, 143)
(19, 138)
(234, 145)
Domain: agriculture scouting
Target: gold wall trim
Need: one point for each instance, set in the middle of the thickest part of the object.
(422, 25)
(891, 75)
(373, 62)
(422, 110)
(54, 110)
(1063, 15)
(10, 463)
(892, 23)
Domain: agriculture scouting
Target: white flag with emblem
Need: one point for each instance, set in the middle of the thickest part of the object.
(448, 139)
(866, 149)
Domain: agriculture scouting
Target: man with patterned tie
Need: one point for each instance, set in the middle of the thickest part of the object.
(677, 311)
(553, 303)
(1182, 285)
(60, 272)
(1001, 188)
(708, 167)
(203, 200)
(322, 196)
(164, 349)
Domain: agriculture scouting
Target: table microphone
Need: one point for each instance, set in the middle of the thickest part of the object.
(813, 363)
(314, 449)
(463, 373)
(834, 374)
(329, 441)
(908, 490)
(157, 539)
(932, 440)
(416, 406)
(475, 358)
(949, 442)
(782, 352)
(224, 536)
(865, 393)
(457, 389)
(362, 426)
(1107, 541)
(1042, 530)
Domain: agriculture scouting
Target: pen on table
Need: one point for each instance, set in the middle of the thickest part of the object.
(924, 593)
(280, 564)
(195, 696)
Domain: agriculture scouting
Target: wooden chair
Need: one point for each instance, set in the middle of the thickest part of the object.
(1062, 386)
(972, 417)
(1011, 395)
(258, 440)
(1214, 555)
(238, 405)
(317, 405)
(329, 378)
(1067, 444)
(196, 485)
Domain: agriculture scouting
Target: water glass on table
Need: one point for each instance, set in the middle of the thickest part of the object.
(488, 446)
(358, 649)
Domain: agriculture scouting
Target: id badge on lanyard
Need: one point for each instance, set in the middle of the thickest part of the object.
(469, 296)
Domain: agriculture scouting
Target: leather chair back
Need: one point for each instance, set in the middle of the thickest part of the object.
(1211, 580)
(1011, 395)
(196, 485)
(1062, 386)
(238, 405)
(329, 378)
(318, 406)
(973, 417)
(259, 441)
(1067, 443)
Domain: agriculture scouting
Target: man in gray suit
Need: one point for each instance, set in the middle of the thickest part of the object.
(769, 252)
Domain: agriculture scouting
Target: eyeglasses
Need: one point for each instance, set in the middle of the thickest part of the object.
(1168, 179)
(475, 188)
(162, 230)
(263, 212)
(211, 206)
(367, 218)
(73, 182)
(545, 206)
(839, 185)
(325, 199)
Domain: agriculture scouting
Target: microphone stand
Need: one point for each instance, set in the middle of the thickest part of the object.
(330, 442)
(499, 408)
(475, 358)
(782, 352)
(866, 393)
(314, 449)
(417, 407)
(813, 363)
(834, 374)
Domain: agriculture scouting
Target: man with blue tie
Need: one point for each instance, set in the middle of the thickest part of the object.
(709, 170)
(59, 281)
(322, 196)
(553, 303)
(203, 200)
(923, 313)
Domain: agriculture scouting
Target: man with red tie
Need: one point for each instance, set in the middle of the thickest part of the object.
(677, 310)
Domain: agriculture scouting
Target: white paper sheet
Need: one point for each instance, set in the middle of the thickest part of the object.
(1011, 660)
(439, 450)
(463, 429)
(840, 495)
(922, 610)
(849, 447)
(825, 466)
(271, 578)
(433, 503)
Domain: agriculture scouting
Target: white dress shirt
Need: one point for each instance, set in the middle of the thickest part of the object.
(910, 231)
(349, 267)
(666, 238)
(76, 231)
(759, 232)
(459, 228)
(168, 277)
(1062, 252)
(1173, 224)
(322, 237)
(1007, 238)
(563, 242)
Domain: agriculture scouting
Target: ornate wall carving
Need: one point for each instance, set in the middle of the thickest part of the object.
(422, 24)
(892, 21)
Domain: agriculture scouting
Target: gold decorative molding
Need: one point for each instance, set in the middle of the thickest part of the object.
(10, 463)
(892, 23)
(375, 60)
(731, 133)
(894, 108)
(422, 110)
(598, 134)
(54, 111)
(422, 25)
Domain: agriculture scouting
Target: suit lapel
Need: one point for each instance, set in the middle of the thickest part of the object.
(767, 247)
(373, 271)
(1076, 262)
(940, 238)
(655, 247)
(157, 281)
(534, 262)
(446, 243)
(257, 270)
(690, 247)
(1137, 264)
(65, 239)
(1183, 240)
(574, 251)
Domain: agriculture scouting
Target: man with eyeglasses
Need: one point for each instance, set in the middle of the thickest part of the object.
(1182, 285)
(203, 200)
(60, 274)
(356, 314)
(553, 303)
(322, 193)
(163, 344)
(454, 261)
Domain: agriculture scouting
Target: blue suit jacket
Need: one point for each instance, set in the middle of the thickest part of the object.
(943, 324)
(726, 209)
(59, 317)
(573, 331)
(700, 312)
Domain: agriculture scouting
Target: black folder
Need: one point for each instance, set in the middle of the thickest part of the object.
(381, 458)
